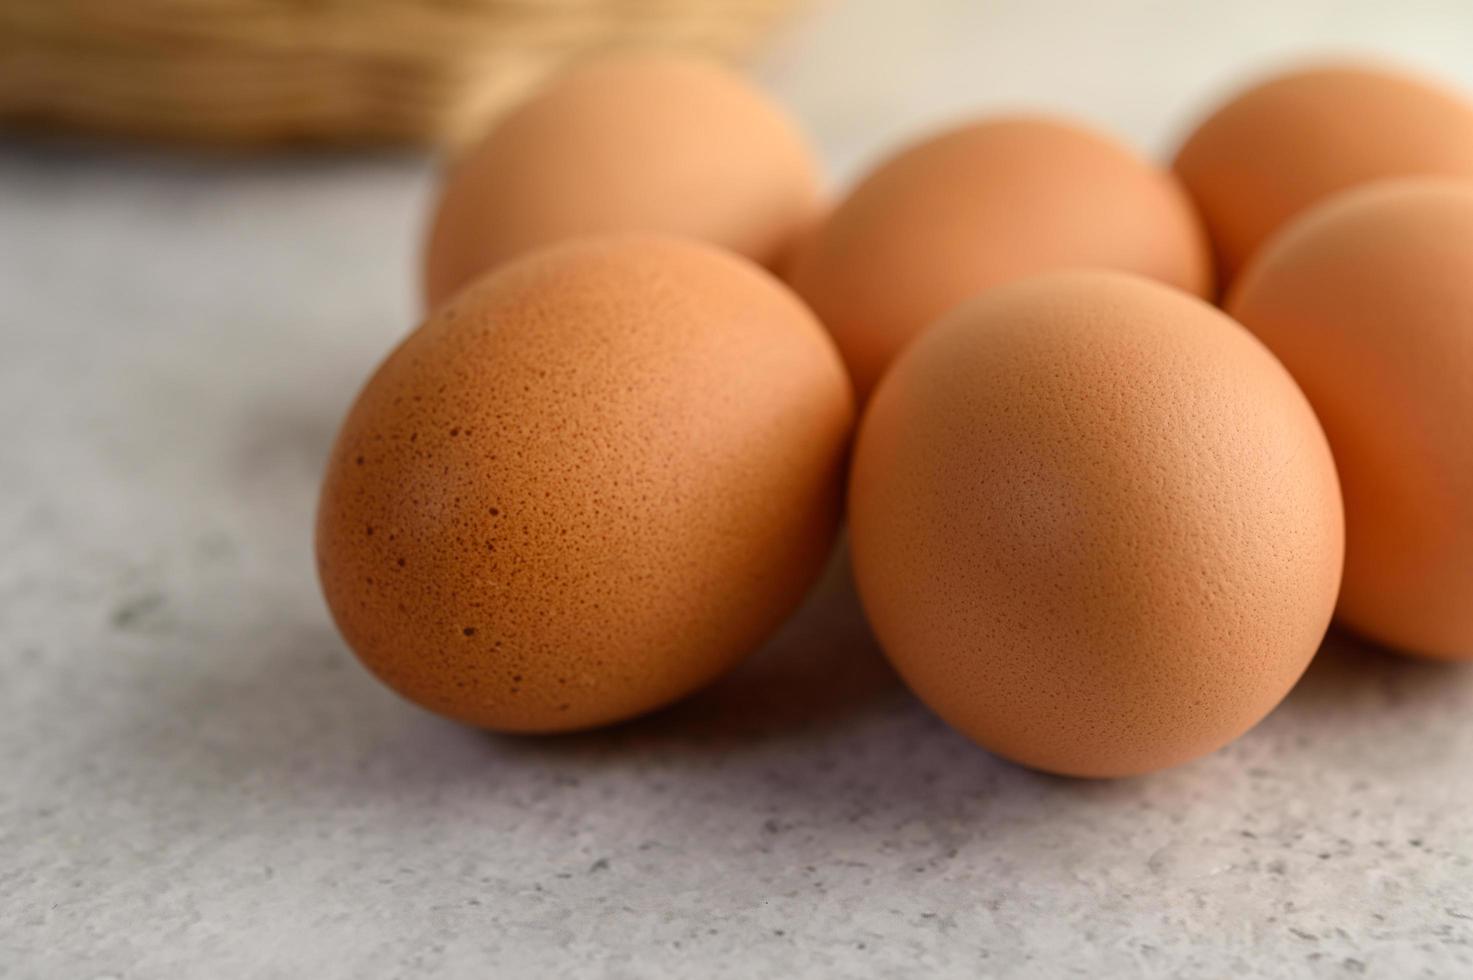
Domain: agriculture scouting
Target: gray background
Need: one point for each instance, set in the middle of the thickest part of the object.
(196, 779)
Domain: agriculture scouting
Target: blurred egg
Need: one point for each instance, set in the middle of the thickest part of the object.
(586, 486)
(979, 206)
(633, 143)
(1095, 524)
(1282, 145)
(1368, 301)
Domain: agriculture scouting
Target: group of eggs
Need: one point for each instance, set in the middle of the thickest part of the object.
(1097, 524)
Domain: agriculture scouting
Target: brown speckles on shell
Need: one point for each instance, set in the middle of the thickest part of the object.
(645, 478)
(1095, 524)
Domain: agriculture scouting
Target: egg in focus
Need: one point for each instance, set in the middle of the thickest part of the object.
(626, 143)
(1368, 300)
(982, 205)
(1095, 525)
(587, 486)
(1282, 145)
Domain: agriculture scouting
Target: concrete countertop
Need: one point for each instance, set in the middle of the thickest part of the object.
(196, 779)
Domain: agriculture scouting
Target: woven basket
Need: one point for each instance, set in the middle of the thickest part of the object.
(259, 72)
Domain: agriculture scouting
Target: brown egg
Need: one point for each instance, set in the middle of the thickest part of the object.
(979, 206)
(586, 486)
(633, 143)
(1094, 524)
(1282, 145)
(1368, 301)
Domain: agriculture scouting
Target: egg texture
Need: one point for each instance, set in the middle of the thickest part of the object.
(1295, 139)
(979, 206)
(1368, 300)
(631, 143)
(586, 486)
(1095, 524)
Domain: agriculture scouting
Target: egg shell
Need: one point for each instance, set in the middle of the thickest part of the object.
(1295, 139)
(1095, 524)
(626, 143)
(587, 486)
(981, 205)
(1368, 300)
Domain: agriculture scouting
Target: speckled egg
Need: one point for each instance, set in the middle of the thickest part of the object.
(1295, 139)
(981, 205)
(1095, 524)
(1368, 300)
(586, 486)
(626, 143)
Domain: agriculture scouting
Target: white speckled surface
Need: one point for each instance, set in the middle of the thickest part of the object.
(197, 780)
